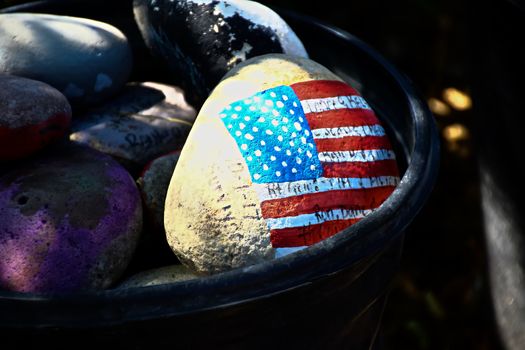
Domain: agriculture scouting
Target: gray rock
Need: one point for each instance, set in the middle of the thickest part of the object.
(86, 60)
(153, 185)
(144, 121)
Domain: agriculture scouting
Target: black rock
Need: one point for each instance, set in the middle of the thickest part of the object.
(202, 39)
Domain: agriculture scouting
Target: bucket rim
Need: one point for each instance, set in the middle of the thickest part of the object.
(240, 285)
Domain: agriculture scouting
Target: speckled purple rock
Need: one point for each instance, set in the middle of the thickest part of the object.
(69, 221)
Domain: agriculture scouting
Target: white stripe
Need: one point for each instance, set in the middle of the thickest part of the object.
(316, 105)
(344, 131)
(277, 190)
(280, 252)
(370, 155)
(316, 218)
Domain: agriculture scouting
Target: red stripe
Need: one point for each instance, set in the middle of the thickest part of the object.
(307, 235)
(361, 169)
(355, 199)
(322, 88)
(352, 143)
(338, 199)
(19, 142)
(341, 117)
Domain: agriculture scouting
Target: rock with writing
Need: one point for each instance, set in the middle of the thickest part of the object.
(153, 184)
(202, 39)
(298, 156)
(86, 60)
(32, 115)
(144, 121)
(160, 275)
(70, 221)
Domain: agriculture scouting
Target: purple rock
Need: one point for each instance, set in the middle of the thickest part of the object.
(70, 221)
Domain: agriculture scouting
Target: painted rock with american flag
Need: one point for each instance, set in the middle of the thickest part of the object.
(283, 154)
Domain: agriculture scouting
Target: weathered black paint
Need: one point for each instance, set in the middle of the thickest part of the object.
(182, 32)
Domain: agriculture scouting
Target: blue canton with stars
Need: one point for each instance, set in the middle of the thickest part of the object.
(274, 138)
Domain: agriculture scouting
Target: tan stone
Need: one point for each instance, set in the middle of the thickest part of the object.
(212, 219)
(160, 275)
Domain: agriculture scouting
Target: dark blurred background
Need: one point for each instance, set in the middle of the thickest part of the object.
(441, 298)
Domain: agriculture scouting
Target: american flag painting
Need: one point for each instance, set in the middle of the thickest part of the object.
(318, 158)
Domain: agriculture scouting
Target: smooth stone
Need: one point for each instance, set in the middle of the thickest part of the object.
(144, 121)
(71, 220)
(88, 61)
(157, 276)
(32, 115)
(201, 40)
(153, 185)
(238, 210)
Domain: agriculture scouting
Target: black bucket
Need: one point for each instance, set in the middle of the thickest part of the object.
(330, 295)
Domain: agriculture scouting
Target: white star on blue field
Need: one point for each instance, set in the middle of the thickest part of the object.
(274, 138)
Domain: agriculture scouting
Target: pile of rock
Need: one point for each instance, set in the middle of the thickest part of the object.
(93, 166)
